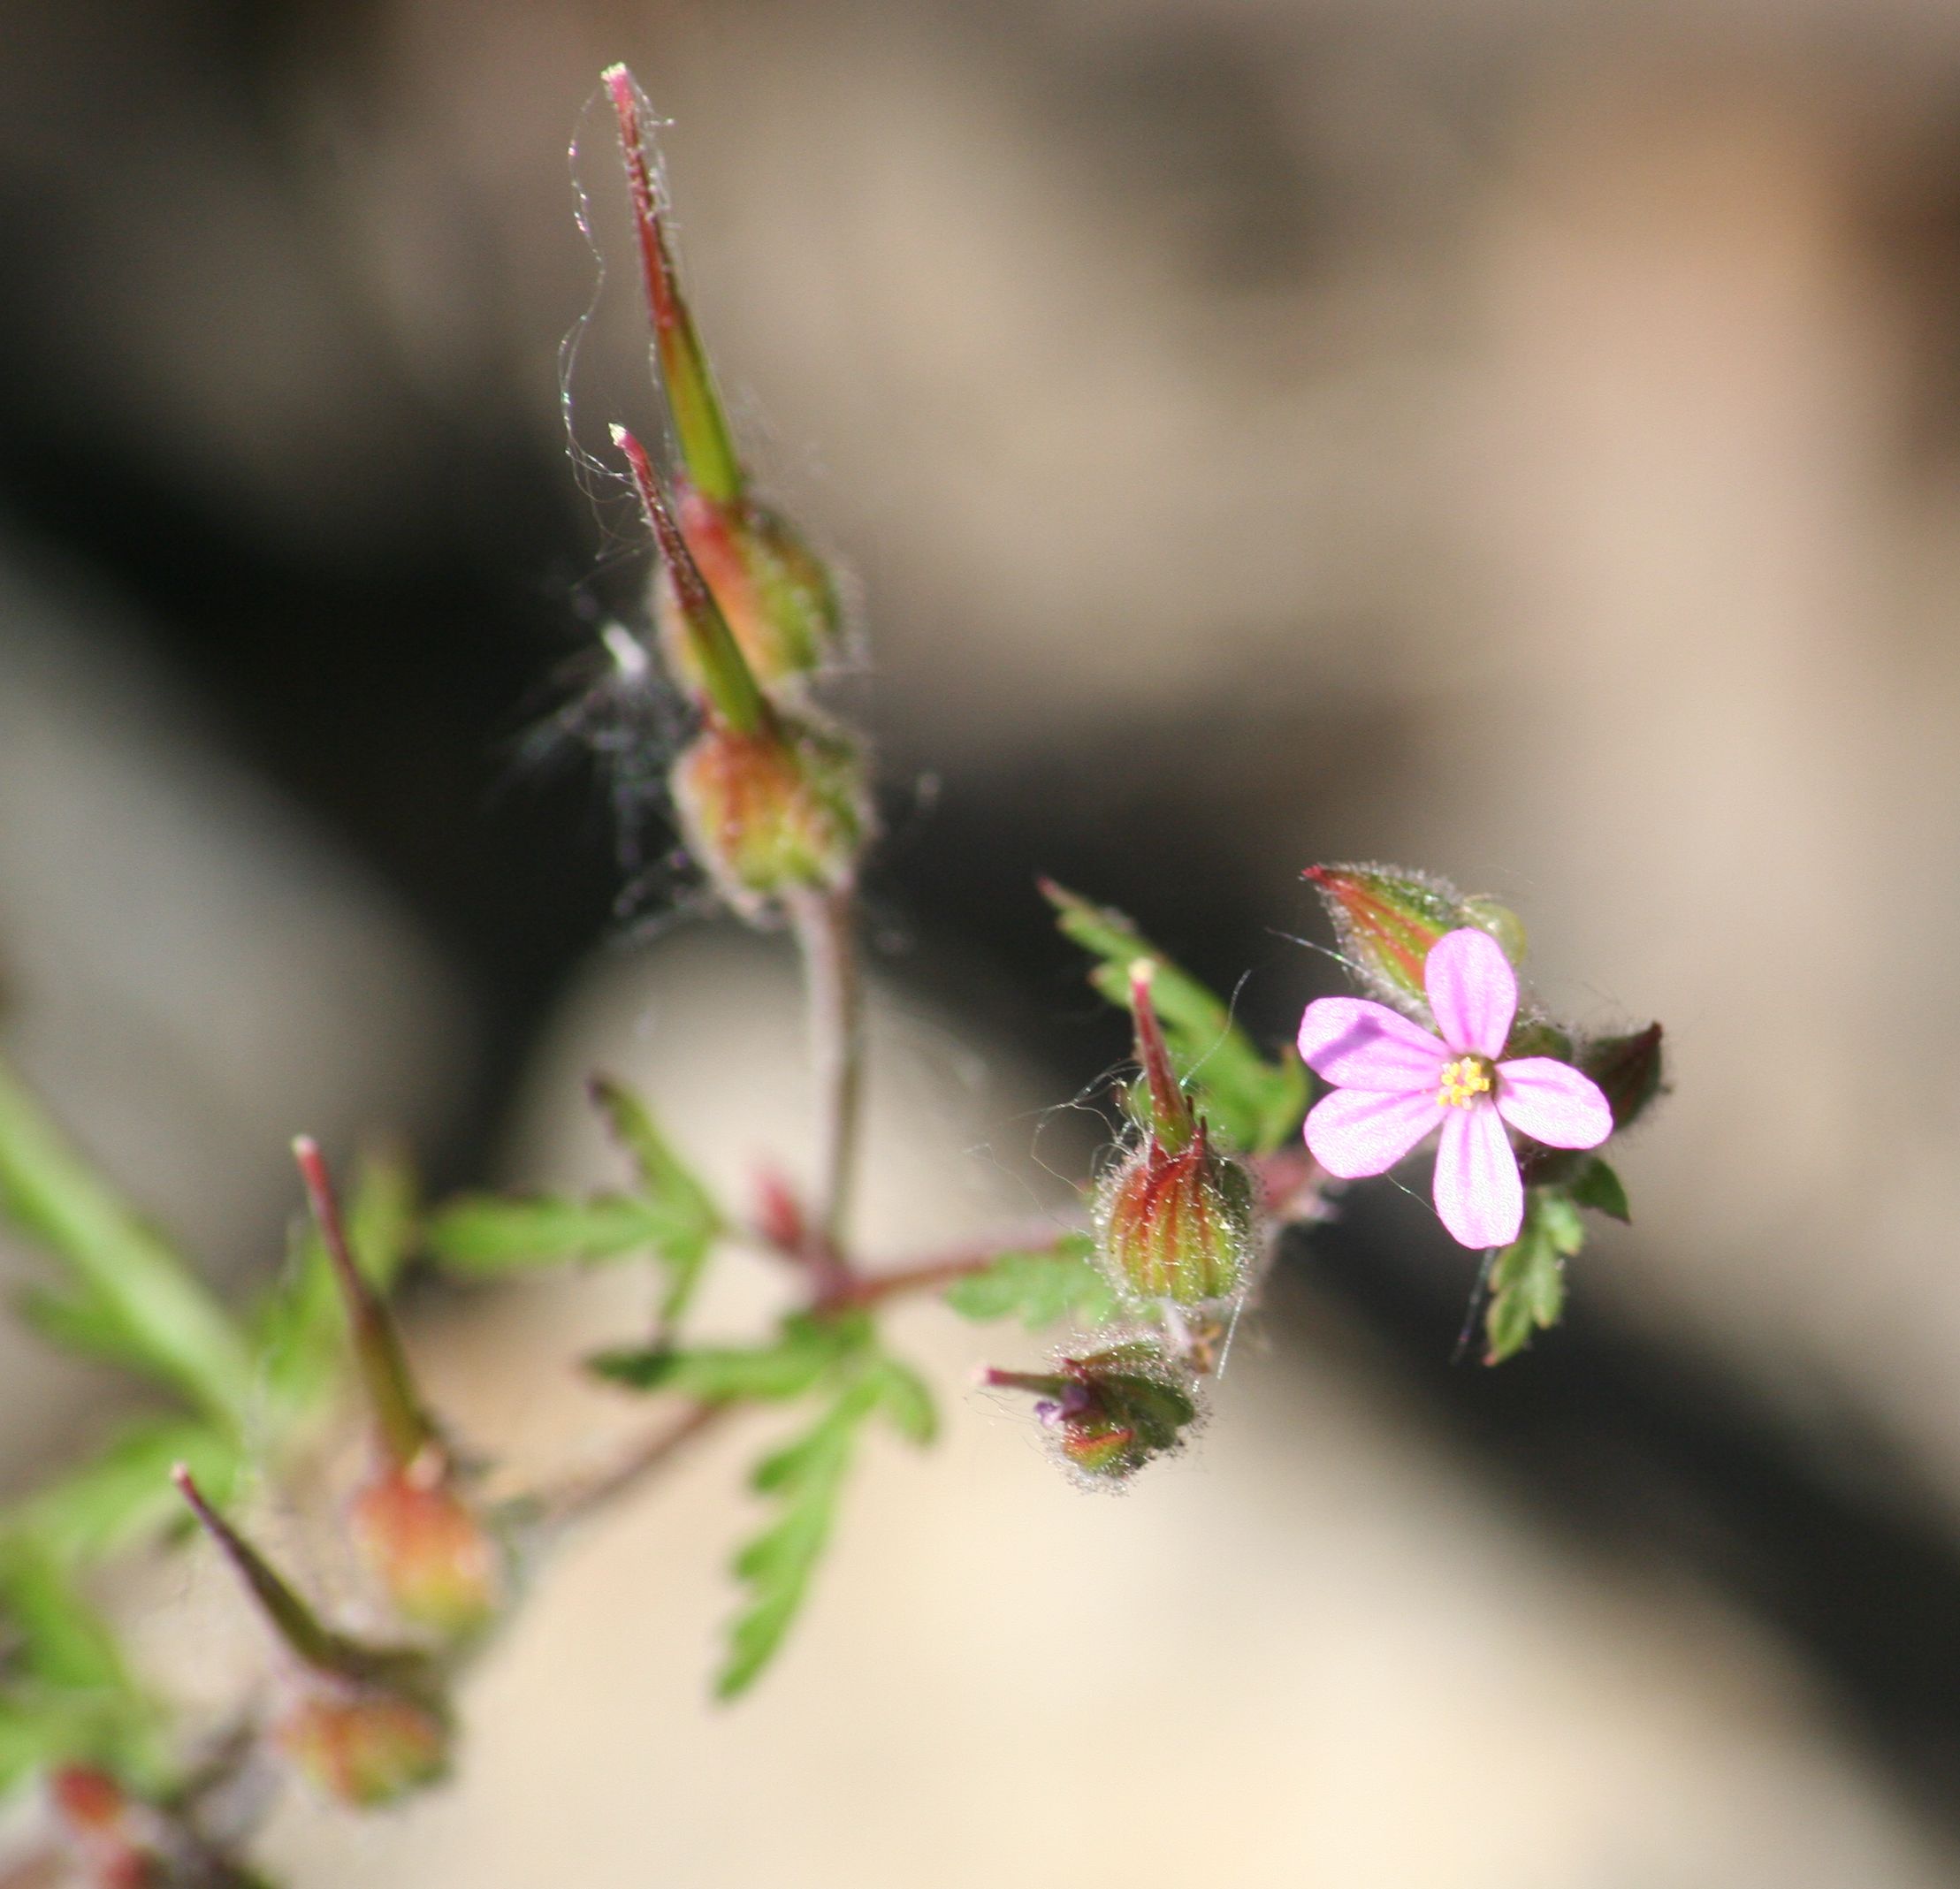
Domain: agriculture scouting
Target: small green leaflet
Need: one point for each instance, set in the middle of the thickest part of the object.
(694, 1222)
(1527, 1287)
(1039, 1288)
(670, 1214)
(1254, 1104)
(488, 1236)
(806, 1478)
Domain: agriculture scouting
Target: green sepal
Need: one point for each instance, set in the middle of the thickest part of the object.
(1254, 1104)
(1038, 1287)
(1527, 1278)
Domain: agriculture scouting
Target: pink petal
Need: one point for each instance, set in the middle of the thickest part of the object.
(1354, 1132)
(1552, 1102)
(1473, 991)
(1360, 1045)
(1478, 1193)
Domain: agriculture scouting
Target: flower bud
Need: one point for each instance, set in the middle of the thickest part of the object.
(365, 1749)
(775, 592)
(769, 811)
(1386, 919)
(439, 1564)
(1113, 1411)
(1175, 1218)
(1177, 1226)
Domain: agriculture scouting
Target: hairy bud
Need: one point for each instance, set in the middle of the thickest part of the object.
(1114, 1411)
(769, 811)
(365, 1749)
(1177, 1226)
(1386, 918)
(1175, 1218)
(438, 1562)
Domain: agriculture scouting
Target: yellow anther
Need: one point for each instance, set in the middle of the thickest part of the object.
(1464, 1080)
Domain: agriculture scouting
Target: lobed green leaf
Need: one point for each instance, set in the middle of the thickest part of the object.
(1253, 1103)
(1527, 1278)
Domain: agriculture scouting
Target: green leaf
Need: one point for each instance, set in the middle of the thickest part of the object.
(1038, 1287)
(691, 1220)
(807, 1478)
(1254, 1104)
(1527, 1278)
(123, 1493)
(1596, 1186)
(807, 1348)
(129, 1279)
(488, 1236)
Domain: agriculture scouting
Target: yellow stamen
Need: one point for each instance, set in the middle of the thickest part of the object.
(1464, 1080)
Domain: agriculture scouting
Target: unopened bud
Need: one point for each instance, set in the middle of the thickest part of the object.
(439, 1564)
(1177, 1226)
(770, 812)
(1114, 1411)
(1386, 918)
(365, 1749)
(775, 592)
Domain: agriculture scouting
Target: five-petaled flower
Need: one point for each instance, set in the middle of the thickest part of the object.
(1395, 1081)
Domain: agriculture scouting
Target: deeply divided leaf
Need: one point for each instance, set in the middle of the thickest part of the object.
(1527, 1278)
(1254, 1104)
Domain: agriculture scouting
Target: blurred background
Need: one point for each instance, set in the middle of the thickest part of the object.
(1517, 440)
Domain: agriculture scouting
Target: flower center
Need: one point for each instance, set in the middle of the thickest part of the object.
(1464, 1080)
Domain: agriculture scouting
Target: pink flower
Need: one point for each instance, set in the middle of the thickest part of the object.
(1395, 1081)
